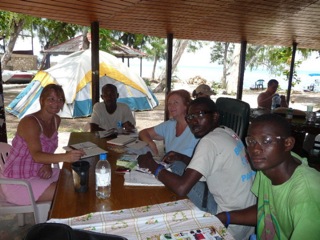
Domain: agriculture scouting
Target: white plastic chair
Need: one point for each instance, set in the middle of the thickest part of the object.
(39, 210)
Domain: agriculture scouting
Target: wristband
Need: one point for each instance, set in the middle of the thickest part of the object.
(228, 219)
(158, 170)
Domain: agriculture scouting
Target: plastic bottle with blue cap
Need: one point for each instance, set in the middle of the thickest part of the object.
(103, 177)
(276, 101)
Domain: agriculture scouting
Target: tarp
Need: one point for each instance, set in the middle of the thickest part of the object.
(74, 74)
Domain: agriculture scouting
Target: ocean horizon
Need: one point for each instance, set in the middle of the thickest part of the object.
(214, 74)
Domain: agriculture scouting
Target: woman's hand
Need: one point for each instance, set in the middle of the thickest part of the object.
(153, 148)
(74, 155)
(45, 171)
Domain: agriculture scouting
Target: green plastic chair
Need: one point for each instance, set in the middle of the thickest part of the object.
(234, 114)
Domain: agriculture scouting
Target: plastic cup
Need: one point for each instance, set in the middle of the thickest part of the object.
(310, 108)
(80, 173)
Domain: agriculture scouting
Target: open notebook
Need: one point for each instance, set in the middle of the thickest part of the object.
(122, 140)
(89, 148)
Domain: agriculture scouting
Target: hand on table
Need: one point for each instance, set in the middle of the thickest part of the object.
(128, 126)
(147, 161)
(74, 155)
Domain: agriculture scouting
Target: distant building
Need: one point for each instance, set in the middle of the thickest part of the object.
(75, 44)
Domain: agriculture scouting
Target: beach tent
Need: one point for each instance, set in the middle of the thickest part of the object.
(74, 73)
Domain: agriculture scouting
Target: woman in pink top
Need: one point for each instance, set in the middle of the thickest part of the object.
(33, 148)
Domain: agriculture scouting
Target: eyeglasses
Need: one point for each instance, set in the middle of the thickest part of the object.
(199, 115)
(264, 141)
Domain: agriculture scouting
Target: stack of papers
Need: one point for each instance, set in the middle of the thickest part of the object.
(89, 148)
(127, 161)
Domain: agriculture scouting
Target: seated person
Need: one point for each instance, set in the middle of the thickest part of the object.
(286, 187)
(265, 98)
(203, 90)
(219, 159)
(175, 131)
(107, 114)
(33, 148)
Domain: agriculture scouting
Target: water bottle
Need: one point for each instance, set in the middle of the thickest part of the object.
(276, 101)
(103, 177)
(119, 127)
(289, 114)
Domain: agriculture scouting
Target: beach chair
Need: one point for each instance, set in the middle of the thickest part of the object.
(259, 84)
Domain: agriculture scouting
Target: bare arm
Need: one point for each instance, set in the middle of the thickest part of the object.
(264, 100)
(148, 135)
(30, 131)
(247, 216)
(181, 185)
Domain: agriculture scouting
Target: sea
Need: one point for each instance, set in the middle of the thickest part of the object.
(198, 64)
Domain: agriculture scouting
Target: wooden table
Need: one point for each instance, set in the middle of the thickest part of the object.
(68, 203)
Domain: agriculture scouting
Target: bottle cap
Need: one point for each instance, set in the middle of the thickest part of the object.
(103, 156)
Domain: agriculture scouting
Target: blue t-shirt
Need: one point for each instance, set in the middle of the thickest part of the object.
(183, 144)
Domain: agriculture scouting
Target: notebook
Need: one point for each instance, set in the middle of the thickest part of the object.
(139, 178)
(89, 148)
(122, 140)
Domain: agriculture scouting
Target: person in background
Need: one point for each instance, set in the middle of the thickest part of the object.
(265, 98)
(175, 131)
(203, 90)
(219, 159)
(287, 188)
(33, 148)
(109, 113)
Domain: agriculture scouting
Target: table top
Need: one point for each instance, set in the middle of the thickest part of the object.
(298, 122)
(68, 203)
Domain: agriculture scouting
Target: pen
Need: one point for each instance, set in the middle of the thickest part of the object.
(73, 148)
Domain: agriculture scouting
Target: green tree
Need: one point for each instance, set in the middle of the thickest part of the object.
(156, 51)
(276, 59)
(222, 52)
(11, 26)
(51, 33)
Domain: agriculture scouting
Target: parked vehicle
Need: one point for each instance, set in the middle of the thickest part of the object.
(20, 77)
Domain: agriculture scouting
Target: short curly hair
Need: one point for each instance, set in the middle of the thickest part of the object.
(275, 120)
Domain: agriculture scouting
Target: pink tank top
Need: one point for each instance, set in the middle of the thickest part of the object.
(20, 163)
